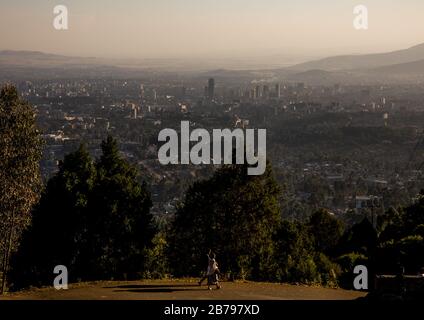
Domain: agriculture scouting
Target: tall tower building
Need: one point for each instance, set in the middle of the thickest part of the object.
(141, 91)
(211, 88)
(257, 92)
(278, 90)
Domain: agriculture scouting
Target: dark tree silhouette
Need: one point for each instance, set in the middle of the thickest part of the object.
(94, 218)
(235, 215)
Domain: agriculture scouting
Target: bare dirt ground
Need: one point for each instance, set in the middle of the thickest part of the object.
(184, 290)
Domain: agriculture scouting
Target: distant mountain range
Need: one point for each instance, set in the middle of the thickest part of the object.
(397, 66)
(41, 59)
(364, 61)
(26, 65)
(403, 65)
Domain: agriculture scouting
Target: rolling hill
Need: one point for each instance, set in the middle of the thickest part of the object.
(408, 68)
(366, 61)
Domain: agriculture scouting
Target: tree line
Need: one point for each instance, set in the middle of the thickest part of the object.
(93, 216)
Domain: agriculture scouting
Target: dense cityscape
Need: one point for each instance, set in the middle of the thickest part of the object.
(329, 145)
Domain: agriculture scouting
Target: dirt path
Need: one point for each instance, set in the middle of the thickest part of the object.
(184, 290)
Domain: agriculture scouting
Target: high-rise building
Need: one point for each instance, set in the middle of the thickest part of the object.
(278, 90)
(257, 92)
(134, 110)
(141, 91)
(211, 88)
(154, 95)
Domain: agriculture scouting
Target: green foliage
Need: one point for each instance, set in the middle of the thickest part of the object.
(401, 239)
(58, 225)
(326, 230)
(361, 238)
(298, 258)
(119, 211)
(414, 215)
(20, 185)
(156, 265)
(93, 218)
(294, 254)
(303, 270)
(347, 263)
(419, 230)
(328, 270)
(232, 213)
(391, 224)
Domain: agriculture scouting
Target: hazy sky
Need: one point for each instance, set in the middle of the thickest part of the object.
(209, 28)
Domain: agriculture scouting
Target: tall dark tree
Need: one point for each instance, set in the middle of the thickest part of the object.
(361, 238)
(59, 230)
(401, 240)
(391, 224)
(326, 230)
(119, 212)
(94, 218)
(414, 214)
(235, 215)
(295, 254)
(20, 152)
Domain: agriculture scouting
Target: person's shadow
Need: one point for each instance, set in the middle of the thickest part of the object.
(159, 288)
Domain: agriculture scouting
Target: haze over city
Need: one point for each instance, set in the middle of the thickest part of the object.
(281, 32)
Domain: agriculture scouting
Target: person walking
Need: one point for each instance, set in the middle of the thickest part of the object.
(212, 272)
